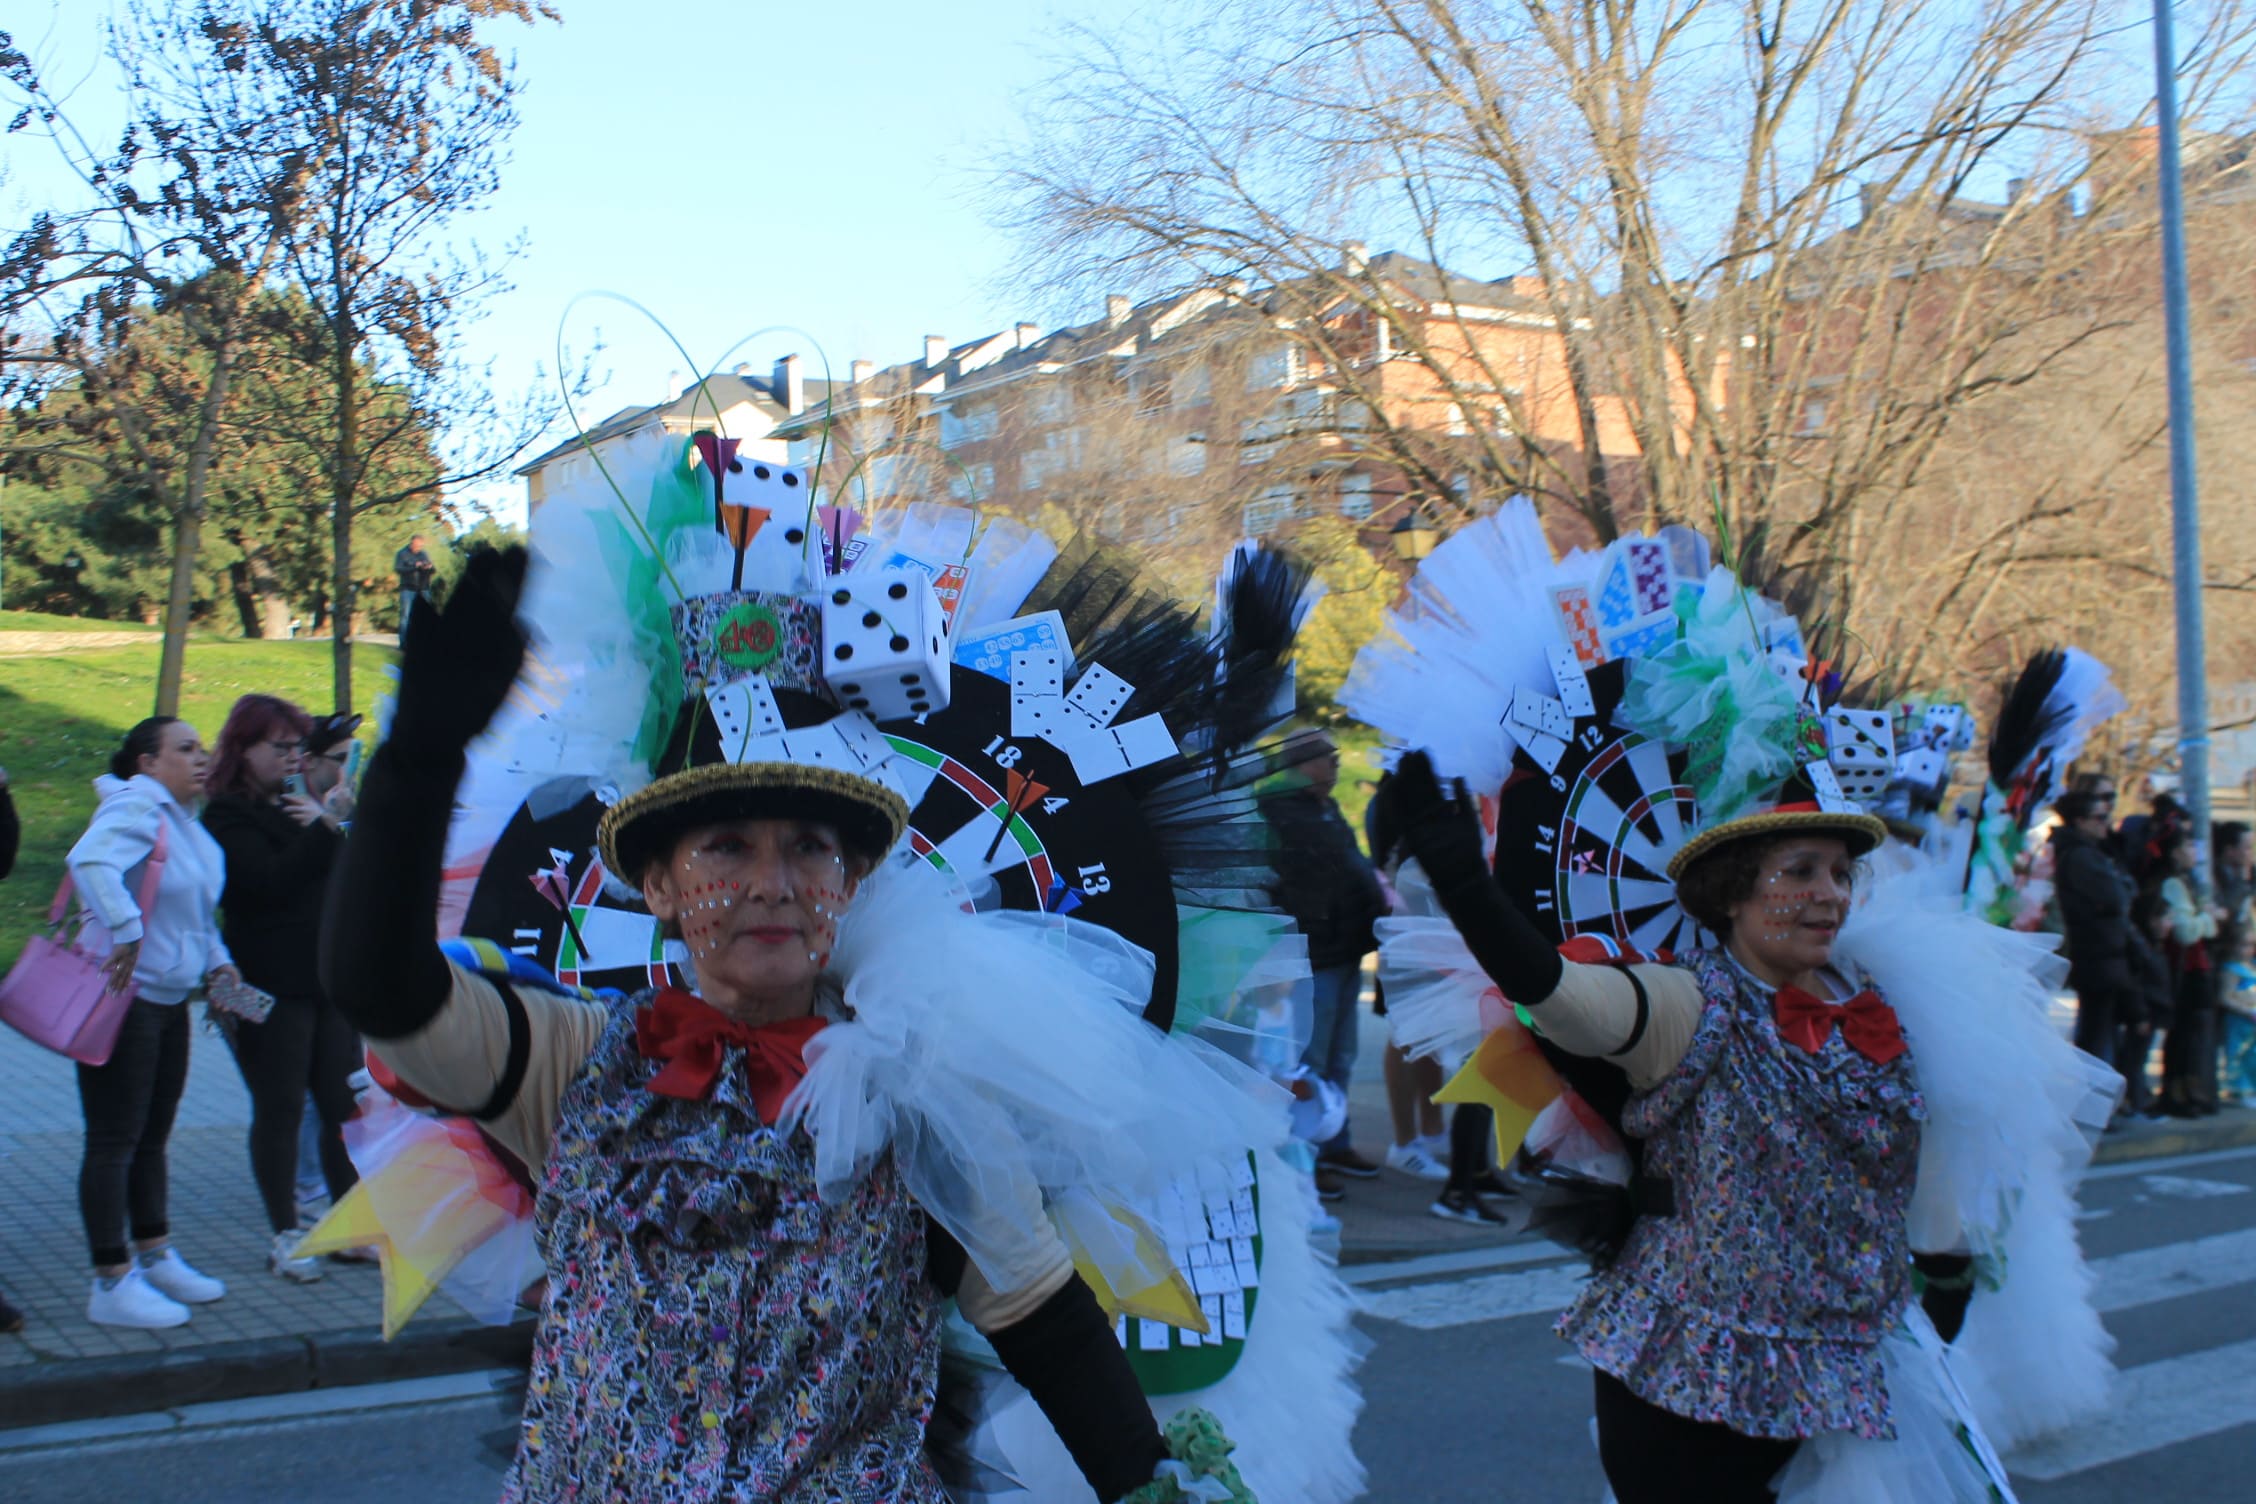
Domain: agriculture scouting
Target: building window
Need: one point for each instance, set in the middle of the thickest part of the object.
(1271, 510)
(1355, 502)
(1153, 390)
(1051, 404)
(1187, 455)
(1813, 416)
(976, 486)
(967, 425)
(1192, 386)
(1277, 366)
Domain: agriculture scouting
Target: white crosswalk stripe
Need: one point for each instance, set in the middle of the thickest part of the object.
(2174, 1269)
(2156, 1405)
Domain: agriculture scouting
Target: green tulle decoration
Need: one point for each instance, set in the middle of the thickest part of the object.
(1715, 693)
(1220, 950)
(1199, 1470)
(636, 558)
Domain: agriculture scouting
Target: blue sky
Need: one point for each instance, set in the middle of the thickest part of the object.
(730, 164)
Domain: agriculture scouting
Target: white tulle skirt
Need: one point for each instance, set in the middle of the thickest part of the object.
(2013, 1109)
(1289, 1404)
(1939, 1454)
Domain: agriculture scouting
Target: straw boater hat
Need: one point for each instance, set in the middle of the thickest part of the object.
(1795, 809)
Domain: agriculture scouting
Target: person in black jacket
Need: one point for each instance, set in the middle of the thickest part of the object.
(2151, 1000)
(1329, 888)
(11, 828)
(11, 835)
(280, 844)
(2095, 911)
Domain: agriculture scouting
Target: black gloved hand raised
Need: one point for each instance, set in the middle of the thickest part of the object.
(457, 661)
(1441, 828)
(1443, 831)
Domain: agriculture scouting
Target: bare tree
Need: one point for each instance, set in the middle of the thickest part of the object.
(1748, 227)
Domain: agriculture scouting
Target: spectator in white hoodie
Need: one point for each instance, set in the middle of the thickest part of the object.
(165, 954)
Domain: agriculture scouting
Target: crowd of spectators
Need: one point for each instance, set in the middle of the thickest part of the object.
(2159, 949)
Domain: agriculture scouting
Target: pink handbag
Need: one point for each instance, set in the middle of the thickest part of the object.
(55, 995)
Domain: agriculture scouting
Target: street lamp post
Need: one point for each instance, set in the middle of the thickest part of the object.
(1413, 536)
(2185, 506)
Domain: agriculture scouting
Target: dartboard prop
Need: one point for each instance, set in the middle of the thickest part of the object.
(542, 892)
(1583, 845)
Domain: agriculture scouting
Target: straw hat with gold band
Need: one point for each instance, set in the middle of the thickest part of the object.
(698, 784)
(1797, 810)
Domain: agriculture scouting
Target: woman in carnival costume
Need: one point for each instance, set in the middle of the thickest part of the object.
(861, 1074)
(1797, 1161)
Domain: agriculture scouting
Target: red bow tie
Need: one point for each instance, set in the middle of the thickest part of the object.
(1868, 1024)
(689, 1035)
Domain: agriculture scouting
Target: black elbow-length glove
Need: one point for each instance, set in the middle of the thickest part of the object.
(1442, 830)
(380, 960)
(1064, 1355)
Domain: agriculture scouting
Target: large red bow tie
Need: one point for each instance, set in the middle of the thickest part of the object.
(689, 1036)
(1868, 1024)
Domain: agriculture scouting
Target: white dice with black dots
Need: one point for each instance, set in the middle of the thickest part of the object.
(885, 643)
(780, 554)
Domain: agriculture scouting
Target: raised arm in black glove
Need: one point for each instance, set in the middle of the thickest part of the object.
(1442, 830)
(380, 960)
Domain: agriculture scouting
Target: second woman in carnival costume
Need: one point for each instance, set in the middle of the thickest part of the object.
(757, 1192)
(1821, 1084)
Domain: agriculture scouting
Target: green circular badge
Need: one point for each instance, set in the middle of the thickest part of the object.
(750, 636)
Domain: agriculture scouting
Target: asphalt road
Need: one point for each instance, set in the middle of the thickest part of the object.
(1469, 1398)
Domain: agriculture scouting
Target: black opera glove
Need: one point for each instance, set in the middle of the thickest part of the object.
(1946, 1288)
(1443, 831)
(1441, 827)
(458, 661)
(379, 957)
(1065, 1356)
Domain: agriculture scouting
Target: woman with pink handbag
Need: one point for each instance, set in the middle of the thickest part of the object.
(164, 954)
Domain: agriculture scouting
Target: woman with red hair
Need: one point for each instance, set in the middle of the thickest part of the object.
(280, 843)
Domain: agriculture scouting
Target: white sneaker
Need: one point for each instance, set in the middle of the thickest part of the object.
(283, 1260)
(1413, 1160)
(172, 1274)
(130, 1300)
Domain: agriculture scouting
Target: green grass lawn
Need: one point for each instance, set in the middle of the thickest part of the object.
(61, 715)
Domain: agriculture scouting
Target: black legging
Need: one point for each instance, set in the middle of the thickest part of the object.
(2189, 1055)
(128, 1104)
(1653, 1456)
(1470, 1126)
(303, 1044)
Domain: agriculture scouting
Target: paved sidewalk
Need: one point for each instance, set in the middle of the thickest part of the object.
(217, 1220)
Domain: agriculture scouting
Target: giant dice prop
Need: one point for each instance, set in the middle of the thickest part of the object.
(885, 643)
(1861, 746)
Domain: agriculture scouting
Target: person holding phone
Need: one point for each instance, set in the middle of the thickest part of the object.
(281, 838)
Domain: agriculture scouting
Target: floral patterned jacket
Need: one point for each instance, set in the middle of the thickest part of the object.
(1761, 1301)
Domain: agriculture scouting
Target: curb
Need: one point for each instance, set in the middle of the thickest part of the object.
(2232, 1129)
(49, 1393)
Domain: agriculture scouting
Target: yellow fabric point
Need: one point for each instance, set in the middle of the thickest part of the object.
(433, 1200)
(353, 1223)
(1126, 1264)
(1509, 1076)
